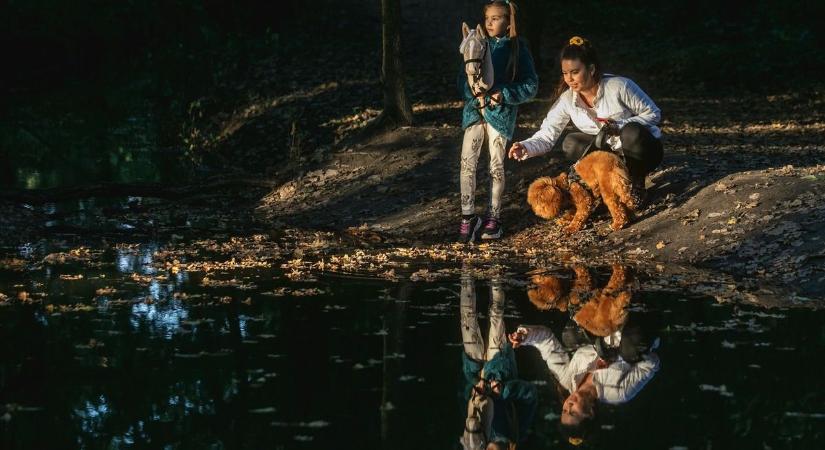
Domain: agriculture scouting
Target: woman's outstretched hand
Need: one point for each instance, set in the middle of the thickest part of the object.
(517, 152)
(517, 337)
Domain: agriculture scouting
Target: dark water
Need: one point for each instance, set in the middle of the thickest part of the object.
(168, 361)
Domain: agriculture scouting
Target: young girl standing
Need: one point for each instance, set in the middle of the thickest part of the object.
(515, 82)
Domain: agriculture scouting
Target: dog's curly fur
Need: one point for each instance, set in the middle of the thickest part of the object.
(606, 311)
(604, 174)
(603, 311)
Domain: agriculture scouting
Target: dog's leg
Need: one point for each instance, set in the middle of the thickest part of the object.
(616, 208)
(565, 218)
(620, 182)
(583, 202)
(617, 211)
(618, 279)
(584, 281)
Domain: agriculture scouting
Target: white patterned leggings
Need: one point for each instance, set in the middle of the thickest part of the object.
(471, 331)
(474, 137)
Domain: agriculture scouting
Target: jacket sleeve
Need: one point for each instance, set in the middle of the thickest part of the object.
(526, 84)
(551, 128)
(550, 348)
(633, 381)
(645, 110)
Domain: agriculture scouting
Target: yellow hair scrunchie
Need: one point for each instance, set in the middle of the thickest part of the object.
(576, 40)
(573, 440)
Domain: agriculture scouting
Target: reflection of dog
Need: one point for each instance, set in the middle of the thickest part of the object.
(606, 311)
(549, 292)
(603, 310)
(604, 174)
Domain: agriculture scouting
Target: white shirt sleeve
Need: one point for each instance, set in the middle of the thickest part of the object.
(551, 128)
(635, 99)
(631, 383)
(552, 352)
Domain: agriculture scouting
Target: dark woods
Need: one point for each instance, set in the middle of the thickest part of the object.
(197, 61)
(52, 42)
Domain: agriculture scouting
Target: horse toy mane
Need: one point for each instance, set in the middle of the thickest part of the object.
(478, 64)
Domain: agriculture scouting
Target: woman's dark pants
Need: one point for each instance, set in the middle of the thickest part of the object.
(642, 151)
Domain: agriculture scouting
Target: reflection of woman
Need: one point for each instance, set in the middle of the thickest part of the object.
(589, 378)
(500, 407)
(595, 101)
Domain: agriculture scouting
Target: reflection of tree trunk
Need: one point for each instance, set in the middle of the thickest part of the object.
(397, 109)
(394, 323)
(154, 190)
(237, 417)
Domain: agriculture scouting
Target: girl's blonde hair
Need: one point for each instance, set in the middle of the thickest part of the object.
(510, 11)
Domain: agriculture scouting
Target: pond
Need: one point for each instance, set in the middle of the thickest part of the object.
(222, 344)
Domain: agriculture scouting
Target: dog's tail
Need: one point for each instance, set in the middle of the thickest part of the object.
(545, 197)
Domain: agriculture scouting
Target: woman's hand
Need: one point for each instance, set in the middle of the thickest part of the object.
(517, 152)
(517, 338)
(609, 125)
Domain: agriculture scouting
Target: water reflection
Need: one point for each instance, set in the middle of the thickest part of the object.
(500, 406)
(606, 354)
(140, 354)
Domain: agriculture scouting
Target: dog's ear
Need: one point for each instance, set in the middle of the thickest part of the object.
(465, 30)
(545, 197)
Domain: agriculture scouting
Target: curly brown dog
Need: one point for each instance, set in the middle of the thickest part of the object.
(548, 291)
(603, 311)
(606, 311)
(604, 174)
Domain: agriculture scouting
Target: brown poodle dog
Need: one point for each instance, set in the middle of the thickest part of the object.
(604, 311)
(604, 174)
(549, 292)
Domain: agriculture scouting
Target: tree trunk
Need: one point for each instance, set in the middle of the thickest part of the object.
(397, 109)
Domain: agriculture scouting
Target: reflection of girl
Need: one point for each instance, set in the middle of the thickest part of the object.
(588, 378)
(500, 407)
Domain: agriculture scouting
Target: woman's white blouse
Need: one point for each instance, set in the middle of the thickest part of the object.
(615, 384)
(618, 99)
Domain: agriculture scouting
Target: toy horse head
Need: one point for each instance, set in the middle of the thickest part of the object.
(478, 64)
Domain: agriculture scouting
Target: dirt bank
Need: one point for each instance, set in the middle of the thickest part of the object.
(725, 199)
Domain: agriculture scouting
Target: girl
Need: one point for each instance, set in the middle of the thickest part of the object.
(598, 102)
(515, 82)
(500, 407)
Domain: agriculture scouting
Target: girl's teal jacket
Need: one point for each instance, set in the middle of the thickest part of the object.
(502, 117)
(513, 411)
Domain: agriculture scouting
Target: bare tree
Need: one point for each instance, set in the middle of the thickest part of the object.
(397, 109)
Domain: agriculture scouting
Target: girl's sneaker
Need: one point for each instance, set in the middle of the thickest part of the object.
(492, 229)
(468, 230)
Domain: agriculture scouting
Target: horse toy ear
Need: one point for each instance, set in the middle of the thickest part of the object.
(465, 30)
(481, 31)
